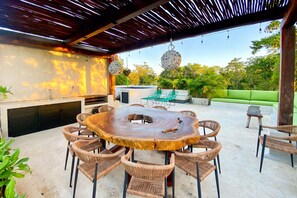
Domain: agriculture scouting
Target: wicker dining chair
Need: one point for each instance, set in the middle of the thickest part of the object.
(80, 118)
(188, 113)
(160, 107)
(105, 108)
(147, 180)
(71, 135)
(280, 143)
(95, 165)
(211, 129)
(197, 164)
(137, 105)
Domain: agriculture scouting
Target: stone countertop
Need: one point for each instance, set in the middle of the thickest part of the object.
(28, 103)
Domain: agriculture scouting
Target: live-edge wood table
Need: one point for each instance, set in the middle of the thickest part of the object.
(116, 127)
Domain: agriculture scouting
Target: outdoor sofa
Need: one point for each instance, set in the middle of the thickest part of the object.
(253, 97)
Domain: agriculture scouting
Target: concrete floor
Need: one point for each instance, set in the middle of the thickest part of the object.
(240, 168)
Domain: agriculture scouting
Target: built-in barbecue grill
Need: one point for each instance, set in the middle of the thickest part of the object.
(95, 99)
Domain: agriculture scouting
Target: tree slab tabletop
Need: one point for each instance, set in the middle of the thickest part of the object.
(165, 132)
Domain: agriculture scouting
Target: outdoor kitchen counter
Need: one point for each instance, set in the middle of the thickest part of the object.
(6, 107)
(30, 103)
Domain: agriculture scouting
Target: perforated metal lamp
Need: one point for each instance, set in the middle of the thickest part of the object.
(115, 68)
(171, 59)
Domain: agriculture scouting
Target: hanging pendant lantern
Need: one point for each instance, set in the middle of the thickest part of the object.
(127, 71)
(171, 59)
(115, 68)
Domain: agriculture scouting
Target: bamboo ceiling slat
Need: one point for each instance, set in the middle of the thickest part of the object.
(68, 19)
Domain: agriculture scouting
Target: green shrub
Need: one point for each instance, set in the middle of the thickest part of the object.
(11, 167)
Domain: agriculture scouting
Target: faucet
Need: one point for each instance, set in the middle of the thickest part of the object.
(50, 97)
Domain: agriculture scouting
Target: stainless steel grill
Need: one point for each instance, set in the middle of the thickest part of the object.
(95, 99)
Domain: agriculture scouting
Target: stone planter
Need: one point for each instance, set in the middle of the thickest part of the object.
(201, 101)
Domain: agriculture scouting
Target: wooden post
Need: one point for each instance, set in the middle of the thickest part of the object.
(287, 75)
(112, 83)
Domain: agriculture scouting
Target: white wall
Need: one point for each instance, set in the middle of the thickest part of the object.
(32, 72)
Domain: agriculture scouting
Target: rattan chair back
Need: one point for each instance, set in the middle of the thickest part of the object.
(189, 113)
(80, 118)
(71, 134)
(137, 105)
(280, 143)
(213, 147)
(90, 157)
(147, 171)
(105, 108)
(160, 107)
(213, 126)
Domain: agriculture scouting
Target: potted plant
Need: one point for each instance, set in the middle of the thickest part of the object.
(11, 167)
(4, 91)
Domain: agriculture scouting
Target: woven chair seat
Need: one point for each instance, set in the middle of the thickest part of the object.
(104, 166)
(146, 188)
(279, 145)
(189, 167)
(94, 145)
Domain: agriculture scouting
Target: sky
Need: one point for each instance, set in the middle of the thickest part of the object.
(216, 49)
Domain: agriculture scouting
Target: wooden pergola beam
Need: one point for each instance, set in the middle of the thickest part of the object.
(291, 16)
(125, 15)
(18, 39)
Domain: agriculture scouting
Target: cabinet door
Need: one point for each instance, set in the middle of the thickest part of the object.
(69, 111)
(49, 116)
(22, 121)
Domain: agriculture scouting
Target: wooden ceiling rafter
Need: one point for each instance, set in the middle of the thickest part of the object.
(223, 25)
(118, 19)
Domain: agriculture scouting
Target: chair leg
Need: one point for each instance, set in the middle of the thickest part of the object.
(217, 179)
(198, 180)
(132, 157)
(218, 157)
(72, 167)
(258, 142)
(165, 183)
(173, 182)
(263, 150)
(292, 160)
(166, 158)
(67, 153)
(219, 164)
(79, 126)
(125, 184)
(248, 121)
(75, 179)
(95, 181)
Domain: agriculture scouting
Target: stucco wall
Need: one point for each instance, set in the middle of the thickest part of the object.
(32, 72)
